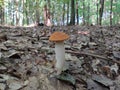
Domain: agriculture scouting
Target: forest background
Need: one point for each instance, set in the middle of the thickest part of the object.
(61, 12)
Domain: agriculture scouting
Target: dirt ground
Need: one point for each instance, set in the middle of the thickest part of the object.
(27, 58)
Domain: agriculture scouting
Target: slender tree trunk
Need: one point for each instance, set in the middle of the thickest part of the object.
(27, 15)
(67, 12)
(88, 13)
(97, 12)
(16, 10)
(13, 21)
(52, 14)
(23, 20)
(111, 4)
(83, 12)
(37, 13)
(49, 6)
(72, 19)
(116, 13)
(77, 14)
(2, 14)
(63, 16)
(47, 20)
(27, 19)
(101, 11)
(45, 14)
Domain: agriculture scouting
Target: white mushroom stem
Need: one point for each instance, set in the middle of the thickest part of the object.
(60, 56)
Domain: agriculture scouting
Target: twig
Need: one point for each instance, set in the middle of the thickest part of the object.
(93, 55)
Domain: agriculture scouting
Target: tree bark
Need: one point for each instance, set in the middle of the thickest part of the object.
(37, 13)
(2, 14)
(63, 16)
(16, 10)
(97, 12)
(13, 16)
(67, 12)
(26, 12)
(53, 14)
(77, 14)
(83, 12)
(88, 17)
(111, 12)
(49, 6)
(23, 20)
(116, 14)
(47, 21)
(45, 14)
(101, 11)
(72, 19)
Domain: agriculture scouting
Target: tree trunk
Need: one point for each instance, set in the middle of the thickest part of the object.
(111, 12)
(116, 20)
(77, 14)
(101, 11)
(37, 13)
(49, 6)
(11, 3)
(53, 13)
(23, 20)
(16, 10)
(83, 12)
(45, 14)
(47, 20)
(2, 14)
(67, 12)
(27, 15)
(63, 16)
(72, 19)
(49, 23)
(97, 12)
(88, 17)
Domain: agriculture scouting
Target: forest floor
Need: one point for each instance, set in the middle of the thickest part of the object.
(27, 58)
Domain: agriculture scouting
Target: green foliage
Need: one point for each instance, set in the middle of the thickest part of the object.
(1, 2)
(63, 1)
(27, 10)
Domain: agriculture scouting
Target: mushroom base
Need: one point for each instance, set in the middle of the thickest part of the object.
(60, 56)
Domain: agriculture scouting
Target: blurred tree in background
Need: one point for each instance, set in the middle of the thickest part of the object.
(59, 12)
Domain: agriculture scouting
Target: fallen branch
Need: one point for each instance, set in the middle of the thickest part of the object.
(93, 55)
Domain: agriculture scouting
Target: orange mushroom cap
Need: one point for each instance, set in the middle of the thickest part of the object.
(58, 36)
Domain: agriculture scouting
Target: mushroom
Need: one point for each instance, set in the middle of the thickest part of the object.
(58, 38)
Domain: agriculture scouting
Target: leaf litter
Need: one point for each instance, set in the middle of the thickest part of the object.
(27, 58)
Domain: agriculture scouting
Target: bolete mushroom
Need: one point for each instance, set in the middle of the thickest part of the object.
(58, 38)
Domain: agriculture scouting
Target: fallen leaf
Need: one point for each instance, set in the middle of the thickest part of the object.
(2, 86)
(116, 54)
(83, 32)
(102, 80)
(92, 85)
(13, 54)
(67, 78)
